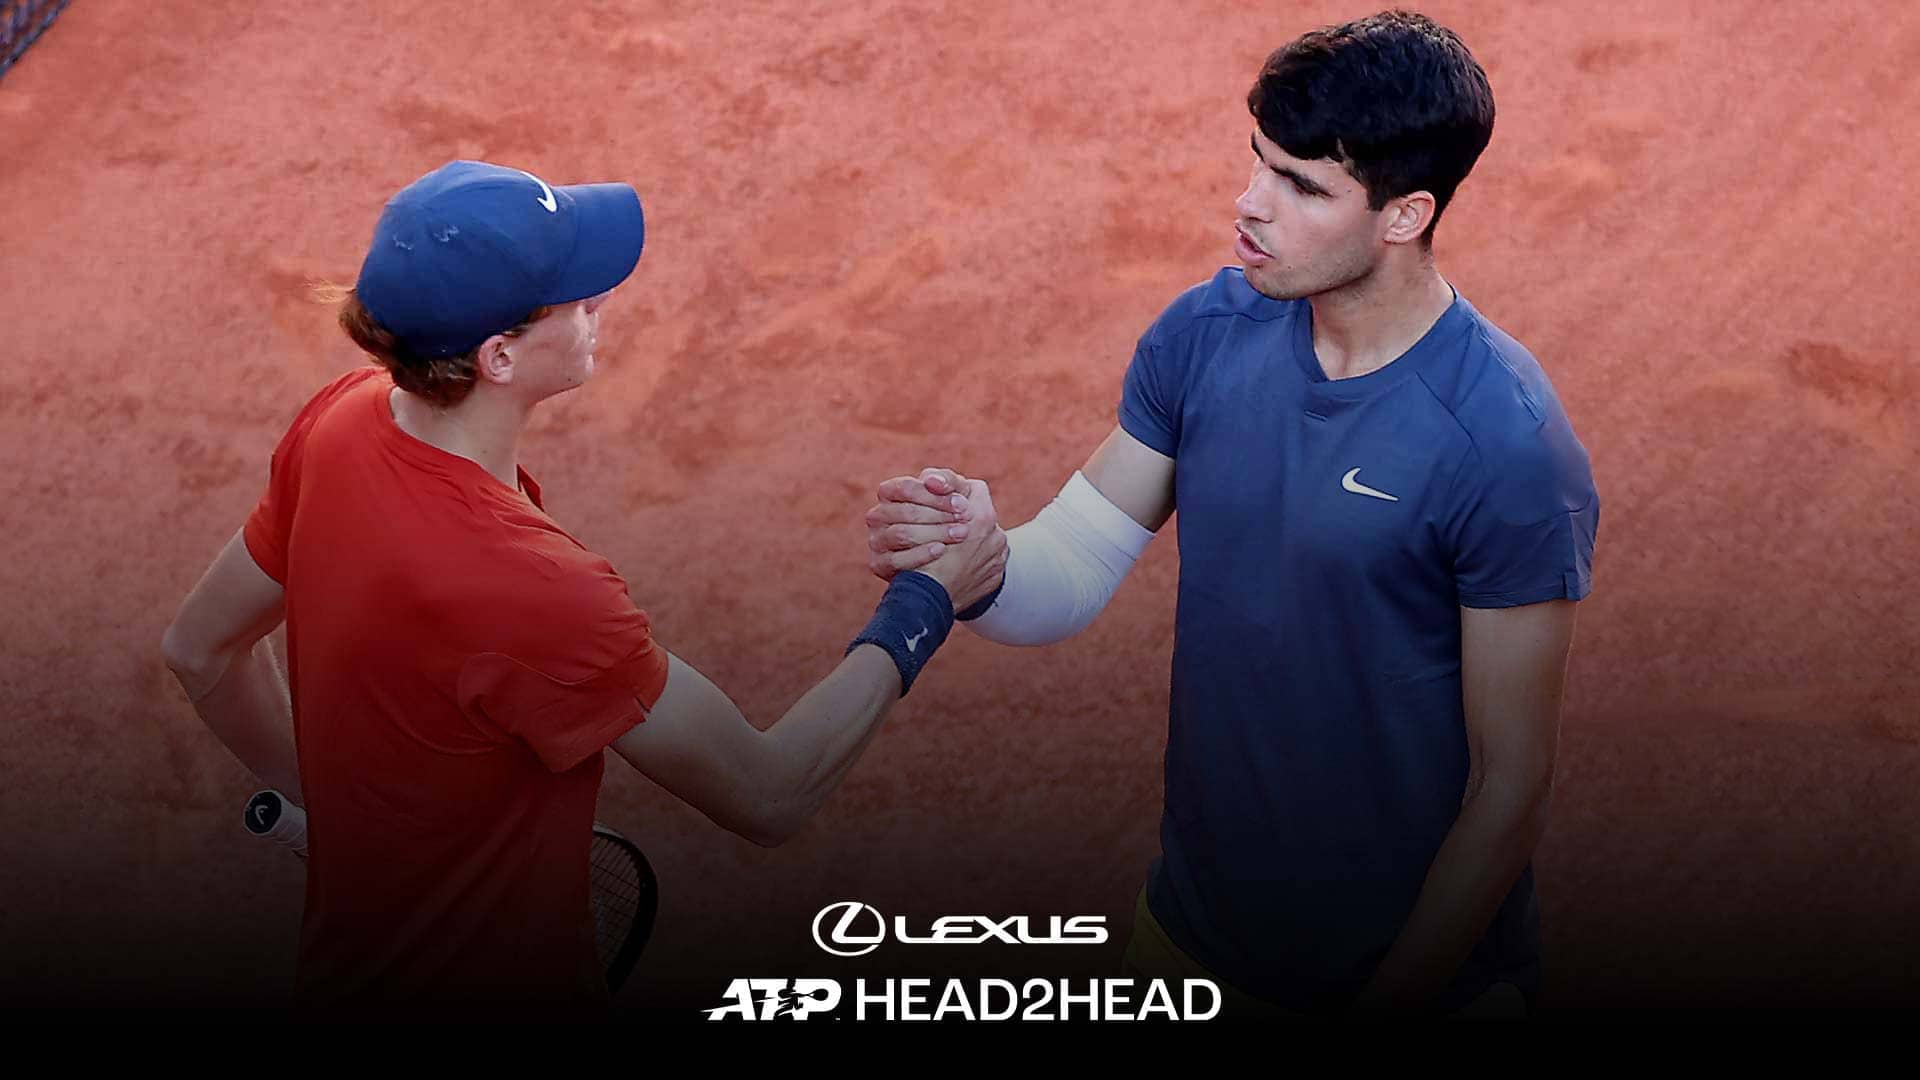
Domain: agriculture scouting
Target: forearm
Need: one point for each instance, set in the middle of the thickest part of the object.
(1062, 568)
(248, 708)
(1484, 853)
(808, 751)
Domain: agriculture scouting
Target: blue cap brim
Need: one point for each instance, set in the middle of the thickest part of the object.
(612, 230)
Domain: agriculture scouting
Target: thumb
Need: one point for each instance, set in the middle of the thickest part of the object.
(943, 481)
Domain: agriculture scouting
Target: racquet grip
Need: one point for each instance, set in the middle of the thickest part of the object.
(272, 816)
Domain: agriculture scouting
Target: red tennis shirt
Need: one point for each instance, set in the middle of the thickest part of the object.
(458, 664)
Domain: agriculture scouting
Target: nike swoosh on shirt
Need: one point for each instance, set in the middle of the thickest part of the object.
(1349, 483)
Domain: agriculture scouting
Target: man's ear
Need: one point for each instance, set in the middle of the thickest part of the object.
(1407, 216)
(492, 362)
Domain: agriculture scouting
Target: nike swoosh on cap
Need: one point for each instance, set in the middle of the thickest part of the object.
(546, 198)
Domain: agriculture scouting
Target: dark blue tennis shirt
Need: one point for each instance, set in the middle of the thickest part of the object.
(1330, 531)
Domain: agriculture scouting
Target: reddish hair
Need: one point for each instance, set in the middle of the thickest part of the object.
(443, 380)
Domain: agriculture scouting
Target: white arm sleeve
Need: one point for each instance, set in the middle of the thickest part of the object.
(1062, 567)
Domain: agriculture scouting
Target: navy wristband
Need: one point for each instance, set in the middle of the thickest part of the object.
(983, 605)
(913, 619)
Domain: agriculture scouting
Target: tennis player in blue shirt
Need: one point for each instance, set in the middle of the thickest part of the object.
(1385, 523)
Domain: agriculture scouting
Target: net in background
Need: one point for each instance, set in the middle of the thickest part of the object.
(22, 21)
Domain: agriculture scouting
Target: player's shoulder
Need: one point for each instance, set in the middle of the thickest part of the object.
(362, 378)
(1219, 300)
(1494, 386)
(1503, 399)
(323, 403)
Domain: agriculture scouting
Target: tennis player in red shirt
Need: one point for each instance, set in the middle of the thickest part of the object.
(458, 661)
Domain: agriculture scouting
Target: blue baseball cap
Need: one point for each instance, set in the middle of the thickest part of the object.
(469, 249)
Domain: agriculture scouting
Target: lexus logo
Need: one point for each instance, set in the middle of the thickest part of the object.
(851, 928)
(845, 939)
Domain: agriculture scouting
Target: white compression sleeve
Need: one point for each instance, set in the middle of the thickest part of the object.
(1062, 567)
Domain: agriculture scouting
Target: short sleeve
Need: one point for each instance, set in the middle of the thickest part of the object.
(1524, 524)
(1150, 399)
(577, 668)
(271, 522)
(1153, 396)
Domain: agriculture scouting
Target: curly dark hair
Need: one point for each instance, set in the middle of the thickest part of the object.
(1394, 97)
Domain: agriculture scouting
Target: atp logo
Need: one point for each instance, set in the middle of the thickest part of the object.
(777, 999)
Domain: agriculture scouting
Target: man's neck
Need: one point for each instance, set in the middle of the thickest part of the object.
(1365, 326)
(484, 428)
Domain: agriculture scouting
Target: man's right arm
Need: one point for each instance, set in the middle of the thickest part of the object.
(762, 785)
(1133, 477)
(1064, 565)
(765, 785)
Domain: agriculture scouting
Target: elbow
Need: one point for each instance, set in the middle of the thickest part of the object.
(1526, 813)
(195, 667)
(173, 648)
(188, 662)
(1519, 797)
(778, 813)
(757, 817)
(1536, 787)
(772, 826)
(766, 837)
(766, 834)
(775, 802)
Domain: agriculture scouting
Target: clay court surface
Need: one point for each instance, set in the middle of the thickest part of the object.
(885, 235)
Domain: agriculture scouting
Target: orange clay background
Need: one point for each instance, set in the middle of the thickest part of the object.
(884, 235)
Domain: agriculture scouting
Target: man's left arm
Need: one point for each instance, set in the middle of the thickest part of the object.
(1513, 666)
(218, 650)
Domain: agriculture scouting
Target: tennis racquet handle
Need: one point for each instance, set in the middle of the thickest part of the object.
(272, 816)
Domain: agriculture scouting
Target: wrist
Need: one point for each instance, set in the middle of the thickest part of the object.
(984, 604)
(911, 621)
